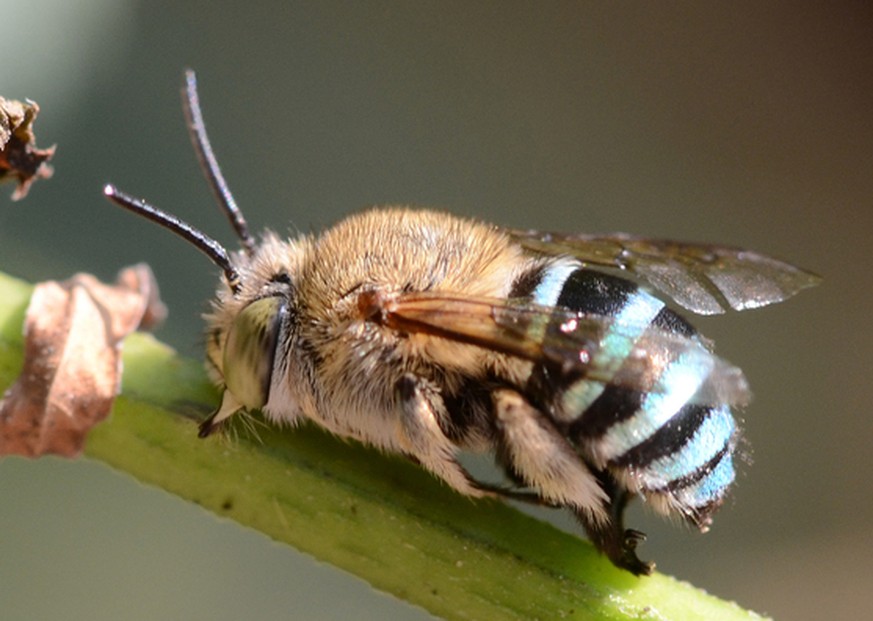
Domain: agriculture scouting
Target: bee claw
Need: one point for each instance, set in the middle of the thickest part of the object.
(629, 559)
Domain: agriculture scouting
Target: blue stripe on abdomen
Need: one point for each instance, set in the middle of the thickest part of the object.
(552, 282)
(676, 386)
(634, 317)
(712, 436)
(710, 489)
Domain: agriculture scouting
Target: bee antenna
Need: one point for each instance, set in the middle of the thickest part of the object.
(200, 140)
(199, 239)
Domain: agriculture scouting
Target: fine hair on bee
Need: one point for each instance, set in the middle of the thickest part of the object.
(426, 334)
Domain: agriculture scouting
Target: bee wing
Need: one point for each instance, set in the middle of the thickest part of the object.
(573, 346)
(703, 278)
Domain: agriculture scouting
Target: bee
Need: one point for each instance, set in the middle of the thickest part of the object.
(426, 334)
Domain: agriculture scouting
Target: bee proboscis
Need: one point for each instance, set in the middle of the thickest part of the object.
(426, 334)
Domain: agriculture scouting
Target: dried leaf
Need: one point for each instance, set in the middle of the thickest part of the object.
(20, 159)
(72, 359)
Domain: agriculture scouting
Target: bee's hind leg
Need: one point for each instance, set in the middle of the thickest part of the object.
(612, 538)
(537, 454)
(543, 459)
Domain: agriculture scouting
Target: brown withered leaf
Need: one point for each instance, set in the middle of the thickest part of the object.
(20, 159)
(72, 359)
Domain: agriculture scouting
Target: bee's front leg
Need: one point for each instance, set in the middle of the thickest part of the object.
(421, 410)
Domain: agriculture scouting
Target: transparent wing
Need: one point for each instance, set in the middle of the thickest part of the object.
(703, 278)
(572, 345)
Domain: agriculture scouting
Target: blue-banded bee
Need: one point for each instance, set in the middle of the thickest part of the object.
(427, 334)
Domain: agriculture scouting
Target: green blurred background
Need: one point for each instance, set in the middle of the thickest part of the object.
(747, 124)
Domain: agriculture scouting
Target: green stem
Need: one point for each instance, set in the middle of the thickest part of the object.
(375, 516)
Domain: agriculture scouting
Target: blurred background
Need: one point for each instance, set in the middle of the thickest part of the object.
(748, 125)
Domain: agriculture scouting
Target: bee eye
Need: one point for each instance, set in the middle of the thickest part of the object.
(250, 350)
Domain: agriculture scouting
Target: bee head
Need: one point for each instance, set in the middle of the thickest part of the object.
(247, 326)
(249, 318)
(244, 356)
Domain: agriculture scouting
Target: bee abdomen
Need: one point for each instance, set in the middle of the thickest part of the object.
(659, 442)
(688, 469)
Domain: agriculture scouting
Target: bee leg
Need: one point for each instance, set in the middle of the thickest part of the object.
(421, 409)
(510, 493)
(611, 537)
(544, 460)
